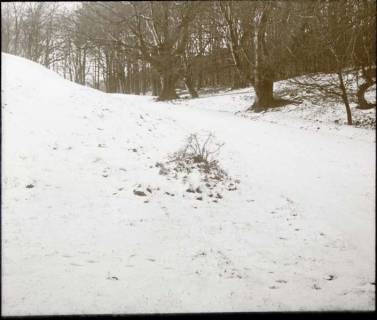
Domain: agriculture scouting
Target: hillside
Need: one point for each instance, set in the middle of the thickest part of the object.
(297, 233)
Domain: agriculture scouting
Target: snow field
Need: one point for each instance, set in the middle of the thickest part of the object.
(297, 234)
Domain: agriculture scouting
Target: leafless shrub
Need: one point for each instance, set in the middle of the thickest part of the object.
(199, 152)
(198, 156)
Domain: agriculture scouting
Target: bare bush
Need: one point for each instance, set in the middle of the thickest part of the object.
(198, 158)
(199, 152)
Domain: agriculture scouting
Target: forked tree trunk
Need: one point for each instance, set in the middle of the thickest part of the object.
(263, 95)
(168, 87)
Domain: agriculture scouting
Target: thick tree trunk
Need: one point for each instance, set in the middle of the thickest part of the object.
(264, 98)
(168, 87)
(362, 103)
(263, 85)
(367, 76)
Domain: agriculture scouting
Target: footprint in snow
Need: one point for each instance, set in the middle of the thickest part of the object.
(316, 287)
(330, 277)
(281, 281)
(91, 261)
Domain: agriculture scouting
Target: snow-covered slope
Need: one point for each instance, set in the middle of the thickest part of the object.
(297, 234)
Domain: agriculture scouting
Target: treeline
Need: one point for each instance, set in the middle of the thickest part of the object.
(160, 46)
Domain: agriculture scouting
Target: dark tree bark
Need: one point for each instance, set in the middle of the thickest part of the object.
(156, 83)
(144, 80)
(168, 86)
(345, 98)
(263, 85)
(200, 79)
(188, 76)
(190, 87)
(128, 79)
(362, 103)
(237, 80)
(264, 98)
(136, 79)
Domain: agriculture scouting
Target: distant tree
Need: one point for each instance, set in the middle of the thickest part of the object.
(259, 36)
(335, 43)
(365, 48)
(162, 33)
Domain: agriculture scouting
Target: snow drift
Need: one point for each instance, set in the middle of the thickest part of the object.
(297, 234)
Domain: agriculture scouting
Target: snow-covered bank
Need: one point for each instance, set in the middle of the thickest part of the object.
(297, 234)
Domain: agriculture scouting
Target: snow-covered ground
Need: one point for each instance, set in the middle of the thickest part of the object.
(297, 234)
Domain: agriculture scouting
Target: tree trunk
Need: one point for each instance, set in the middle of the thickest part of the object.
(362, 103)
(345, 98)
(238, 82)
(263, 95)
(155, 82)
(262, 82)
(136, 78)
(128, 79)
(190, 87)
(168, 87)
(200, 79)
(83, 76)
(144, 80)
